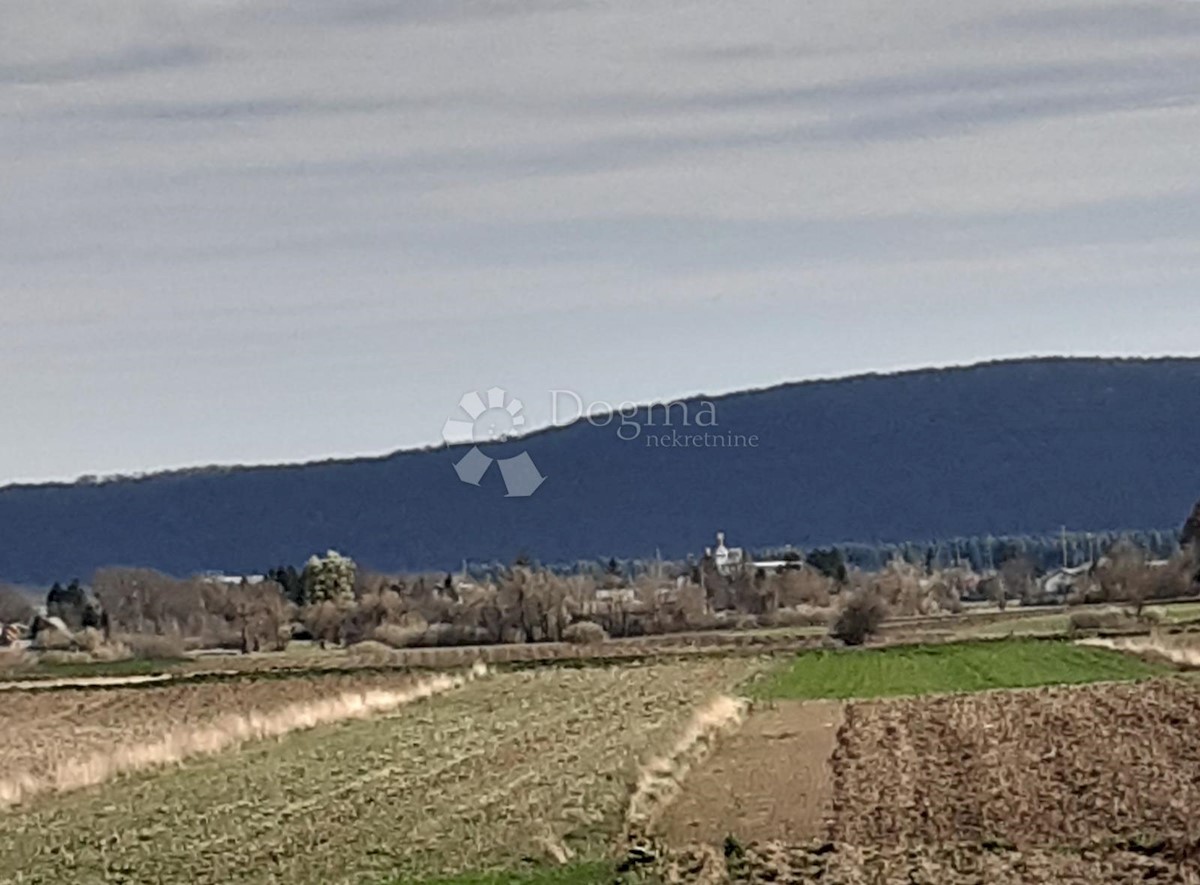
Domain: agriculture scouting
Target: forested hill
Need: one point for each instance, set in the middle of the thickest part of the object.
(1002, 448)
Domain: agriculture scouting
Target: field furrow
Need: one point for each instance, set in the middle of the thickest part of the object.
(527, 764)
(1049, 767)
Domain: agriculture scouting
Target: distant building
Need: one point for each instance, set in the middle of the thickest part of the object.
(231, 580)
(727, 560)
(1064, 581)
(616, 595)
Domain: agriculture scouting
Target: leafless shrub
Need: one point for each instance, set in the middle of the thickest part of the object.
(396, 636)
(1122, 575)
(800, 616)
(51, 639)
(1017, 576)
(261, 613)
(450, 634)
(14, 659)
(15, 607)
(149, 646)
(110, 651)
(325, 621)
(745, 622)
(371, 653)
(89, 639)
(860, 618)
(993, 588)
(58, 657)
(98, 648)
(804, 586)
(1102, 619)
(899, 586)
(585, 633)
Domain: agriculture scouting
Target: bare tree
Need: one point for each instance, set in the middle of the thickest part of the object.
(260, 613)
(15, 607)
(1123, 575)
(802, 586)
(326, 620)
(1017, 575)
(860, 619)
(1189, 538)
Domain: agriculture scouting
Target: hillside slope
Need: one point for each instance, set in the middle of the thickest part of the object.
(1023, 446)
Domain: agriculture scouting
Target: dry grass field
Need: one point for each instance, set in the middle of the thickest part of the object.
(45, 729)
(513, 769)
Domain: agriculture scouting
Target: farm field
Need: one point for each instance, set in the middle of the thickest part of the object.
(1182, 650)
(926, 669)
(510, 772)
(1181, 612)
(867, 765)
(1037, 625)
(46, 729)
(1080, 783)
(1052, 766)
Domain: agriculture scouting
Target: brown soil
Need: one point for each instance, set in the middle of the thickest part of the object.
(1044, 768)
(1087, 784)
(954, 864)
(772, 780)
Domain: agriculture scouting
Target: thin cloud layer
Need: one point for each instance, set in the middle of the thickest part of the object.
(217, 215)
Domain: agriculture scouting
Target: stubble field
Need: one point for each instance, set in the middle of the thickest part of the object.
(44, 729)
(510, 770)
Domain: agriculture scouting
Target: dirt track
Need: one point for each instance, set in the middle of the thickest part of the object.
(82, 682)
(772, 780)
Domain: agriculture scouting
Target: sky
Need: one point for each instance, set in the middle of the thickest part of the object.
(254, 231)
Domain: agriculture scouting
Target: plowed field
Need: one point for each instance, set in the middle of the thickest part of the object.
(1048, 767)
(1082, 784)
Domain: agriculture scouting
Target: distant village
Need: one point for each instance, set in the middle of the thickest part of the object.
(332, 599)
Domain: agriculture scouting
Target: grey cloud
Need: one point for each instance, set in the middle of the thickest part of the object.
(931, 103)
(133, 60)
(964, 114)
(751, 52)
(1180, 70)
(968, 116)
(689, 244)
(1118, 21)
(677, 244)
(357, 12)
(235, 110)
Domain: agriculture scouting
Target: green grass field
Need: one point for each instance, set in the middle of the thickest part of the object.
(1181, 612)
(1039, 625)
(928, 669)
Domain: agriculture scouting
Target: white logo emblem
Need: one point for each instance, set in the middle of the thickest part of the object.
(492, 421)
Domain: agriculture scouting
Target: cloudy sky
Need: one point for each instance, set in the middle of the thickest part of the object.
(265, 230)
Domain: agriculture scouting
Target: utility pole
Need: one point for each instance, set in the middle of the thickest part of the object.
(1066, 564)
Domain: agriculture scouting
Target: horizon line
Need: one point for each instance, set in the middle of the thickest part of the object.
(89, 479)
